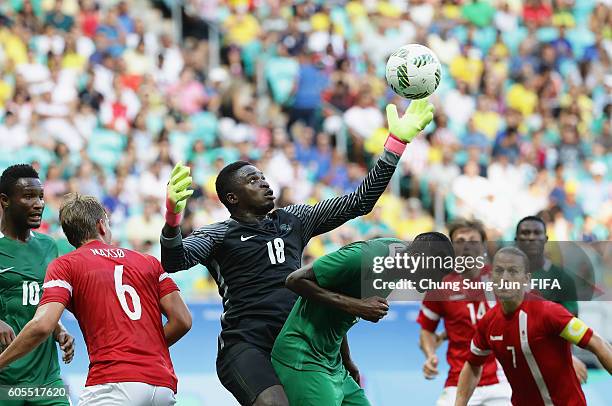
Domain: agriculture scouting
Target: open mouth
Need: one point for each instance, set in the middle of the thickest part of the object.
(35, 216)
(269, 193)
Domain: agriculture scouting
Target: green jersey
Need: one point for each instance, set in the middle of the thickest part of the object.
(22, 273)
(311, 337)
(567, 295)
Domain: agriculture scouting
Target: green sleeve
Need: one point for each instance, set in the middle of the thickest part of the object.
(339, 267)
(571, 306)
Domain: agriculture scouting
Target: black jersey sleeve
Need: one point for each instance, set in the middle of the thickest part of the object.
(331, 213)
(178, 254)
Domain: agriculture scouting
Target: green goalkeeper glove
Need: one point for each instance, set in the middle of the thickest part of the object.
(414, 120)
(177, 194)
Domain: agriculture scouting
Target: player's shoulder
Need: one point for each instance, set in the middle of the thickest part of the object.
(215, 230)
(492, 315)
(537, 305)
(44, 239)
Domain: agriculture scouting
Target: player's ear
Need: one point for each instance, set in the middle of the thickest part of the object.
(101, 227)
(4, 200)
(232, 198)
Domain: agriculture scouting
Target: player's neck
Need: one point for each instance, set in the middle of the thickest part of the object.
(10, 231)
(510, 306)
(246, 217)
(92, 240)
(536, 263)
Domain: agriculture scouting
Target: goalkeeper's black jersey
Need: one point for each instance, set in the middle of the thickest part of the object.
(250, 261)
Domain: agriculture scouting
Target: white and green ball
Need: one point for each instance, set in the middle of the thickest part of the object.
(413, 71)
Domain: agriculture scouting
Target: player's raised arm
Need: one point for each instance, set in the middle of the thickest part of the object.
(331, 213)
(35, 332)
(178, 254)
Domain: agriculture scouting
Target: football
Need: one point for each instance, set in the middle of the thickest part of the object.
(413, 71)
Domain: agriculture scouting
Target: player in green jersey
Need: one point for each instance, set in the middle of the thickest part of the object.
(311, 355)
(24, 256)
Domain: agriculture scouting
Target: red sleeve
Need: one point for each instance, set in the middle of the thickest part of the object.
(430, 313)
(480, 350)
(58, 283)
(165, 283)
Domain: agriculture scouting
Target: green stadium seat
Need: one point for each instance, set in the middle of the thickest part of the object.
(580, 38)
(485, 38)
(250, 53)
(547, 34)
(105, 148)
(180, 142)
(281, 74)
(582, 11)
(33, 153)
(204, 127)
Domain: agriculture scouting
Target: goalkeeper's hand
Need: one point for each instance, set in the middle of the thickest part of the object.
(414, 120)
(177, 194)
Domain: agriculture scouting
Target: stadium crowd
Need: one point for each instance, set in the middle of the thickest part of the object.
(105, 103)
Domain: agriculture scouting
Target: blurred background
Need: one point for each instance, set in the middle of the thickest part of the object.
(105, 96)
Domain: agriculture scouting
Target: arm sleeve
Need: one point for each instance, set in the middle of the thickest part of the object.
(339, 267)
(430, 314)
(479, 346)
(57, 287)
(178, 254)
(561, 322)
(331, 213)
(165, 284)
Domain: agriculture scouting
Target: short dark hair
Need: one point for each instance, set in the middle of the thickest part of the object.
(226, 180)
(460, 223)
(432, 243)
(12, 174)
(512, 250)
(530, 218)
(79, 215)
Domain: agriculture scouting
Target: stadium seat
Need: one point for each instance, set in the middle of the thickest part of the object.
(250, 54)
(204, 127)
(104, 148)
(34, 153)
(180, 144)
(281, 74)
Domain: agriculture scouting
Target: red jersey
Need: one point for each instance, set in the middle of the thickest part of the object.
(460, 310)
(536, 359)
(115, 293)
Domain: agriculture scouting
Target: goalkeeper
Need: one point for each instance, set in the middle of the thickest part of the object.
(251, 254)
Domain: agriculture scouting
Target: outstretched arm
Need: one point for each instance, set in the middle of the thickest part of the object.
(178, 254)
(331, 213)
(602, 350)
(35, 332)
